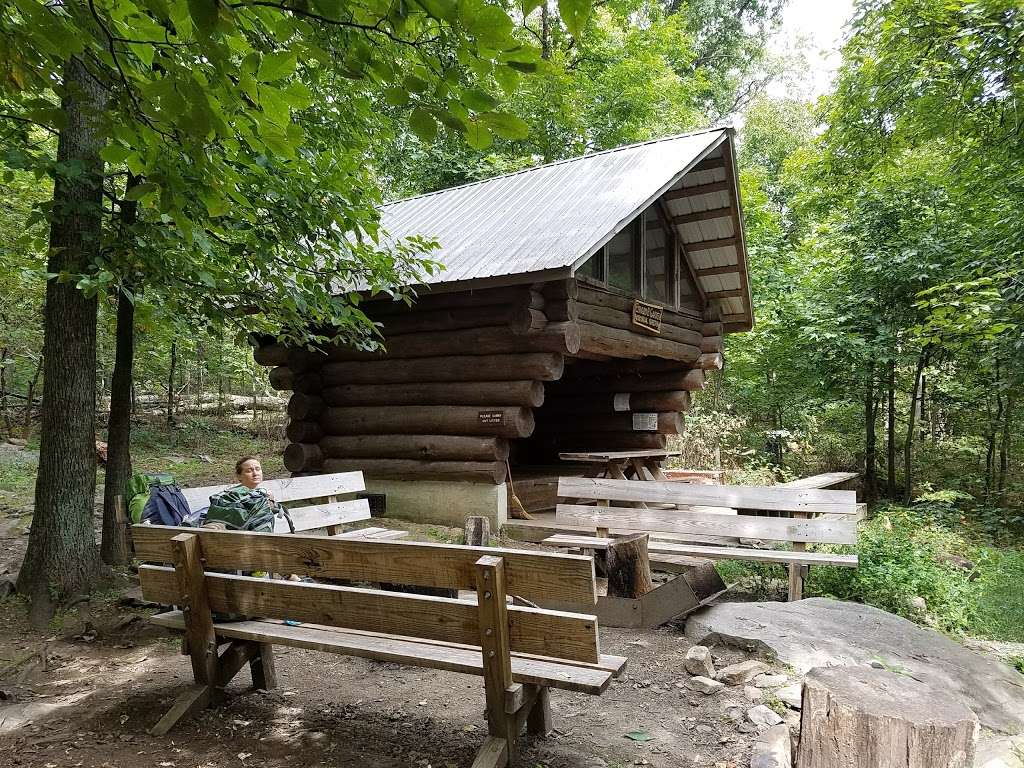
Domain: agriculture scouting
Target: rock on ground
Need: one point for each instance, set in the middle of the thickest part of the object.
(818, 632)
(773, 749)
(698, 661)
(763, 716)
(705, 685)
(743, 672)
(790, 695)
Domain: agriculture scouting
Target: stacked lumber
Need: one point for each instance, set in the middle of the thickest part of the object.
(463, 374)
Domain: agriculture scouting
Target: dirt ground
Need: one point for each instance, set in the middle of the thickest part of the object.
(85, 693)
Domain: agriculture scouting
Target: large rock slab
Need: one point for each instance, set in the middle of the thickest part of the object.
(818, 632)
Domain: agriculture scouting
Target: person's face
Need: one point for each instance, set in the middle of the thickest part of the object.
(251, 474)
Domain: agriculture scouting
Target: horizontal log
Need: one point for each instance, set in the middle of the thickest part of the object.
(540, 366)
(712, 329)
(302, 406)
(301, 360)
(526, 320)
(517, 295)
(309, 383)
(688, 381)
(563, 338)
(497, 421)
(711, 361)
(616, 402)
(302, 457)
(559, 289)
(614, 368)
(423, 447)
(304, 432)
(617, 318)
(608, 441)
(619, 343)
(680, 318)
(525, 393)
(493, 472)
(271, 354)
(711, 344)
(281, 378)
(450, 319)
(666, 423)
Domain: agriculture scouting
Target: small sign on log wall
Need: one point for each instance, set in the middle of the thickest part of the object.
(490, 417)
(645, 422)
(647, 316)
(621, 401)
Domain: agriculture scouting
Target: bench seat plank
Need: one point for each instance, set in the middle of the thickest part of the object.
(531, 574)
(531, 630)
(825, 480)
(713, 553)
(736, 496)
(372, 533)
(822, 531)
(323, 515)
(453, 657)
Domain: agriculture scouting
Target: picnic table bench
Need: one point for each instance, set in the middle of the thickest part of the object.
(836, 523)
(640, 464)
(521, 652)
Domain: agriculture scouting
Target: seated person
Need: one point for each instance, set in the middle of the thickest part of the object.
(246, 506)
(249, 473)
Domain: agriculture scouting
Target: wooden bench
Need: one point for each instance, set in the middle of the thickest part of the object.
(798, 530)
(521, 652)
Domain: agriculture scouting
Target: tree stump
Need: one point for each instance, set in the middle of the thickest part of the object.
(861, 717)
(477, 531)
(628, 566)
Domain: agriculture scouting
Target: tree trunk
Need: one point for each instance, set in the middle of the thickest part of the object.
(61, 559)
(170, 383)
(870, 440)
(890, 437)
(113, 547)
(4, 409)
(628, 566)
(908, 446)
(1004, 443)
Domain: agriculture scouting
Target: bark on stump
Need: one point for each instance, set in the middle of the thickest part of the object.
(477, 531)
(861, 717)
(628, 567)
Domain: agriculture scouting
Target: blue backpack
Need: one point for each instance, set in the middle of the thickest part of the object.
(157, 500)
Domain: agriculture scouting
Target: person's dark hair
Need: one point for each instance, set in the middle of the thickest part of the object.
(241, 461)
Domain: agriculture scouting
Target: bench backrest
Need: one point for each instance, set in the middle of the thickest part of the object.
(290, 490)
(529, 574)
(799, 502)
(824, 480)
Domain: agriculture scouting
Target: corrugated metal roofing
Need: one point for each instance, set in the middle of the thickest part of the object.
(547, 217)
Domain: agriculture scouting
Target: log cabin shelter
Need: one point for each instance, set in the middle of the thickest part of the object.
(579, 305)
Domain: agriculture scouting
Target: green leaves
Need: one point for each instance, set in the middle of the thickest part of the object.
(423, 124)
(490, 25)
(274, 66)
(574, 14)
(506, 125)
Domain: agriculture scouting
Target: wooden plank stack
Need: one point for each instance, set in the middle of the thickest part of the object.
(465, 374)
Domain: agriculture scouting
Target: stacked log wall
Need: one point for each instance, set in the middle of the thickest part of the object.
(469, 377)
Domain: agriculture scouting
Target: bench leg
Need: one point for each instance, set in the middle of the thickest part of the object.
(538, 722)
(191, 702)
(797, 574)
(264, 674)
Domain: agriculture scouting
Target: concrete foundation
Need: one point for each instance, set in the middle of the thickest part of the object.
(442, 502)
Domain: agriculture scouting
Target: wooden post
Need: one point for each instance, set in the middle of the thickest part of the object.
(494, 645)
(333, 530)
(797, 572)
(261, 666)
(628, 566)
(538, 722)
(477, 531)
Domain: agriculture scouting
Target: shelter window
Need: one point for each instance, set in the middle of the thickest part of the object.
(657, 259)
(623, 264)
(593, 267)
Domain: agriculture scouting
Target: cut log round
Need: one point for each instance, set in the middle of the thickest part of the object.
(425, 447)
(476, 471)
(302, 457)
(303, 407)
(616, 342)
(861, 717)
(540, 366)
(271, 354)
(526, 320)
(561, 310)
(304, 432)
(499, 421)
(309, 383)
(525, 393)
(711, 361)
(628, 567)
(477, 531)
(281, 378)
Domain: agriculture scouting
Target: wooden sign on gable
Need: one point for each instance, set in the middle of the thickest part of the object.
(647, 316)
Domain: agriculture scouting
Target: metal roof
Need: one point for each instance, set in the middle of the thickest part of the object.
(550, 218)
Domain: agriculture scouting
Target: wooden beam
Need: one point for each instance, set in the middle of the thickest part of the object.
(712, 213)
(728, 269)
(727, 294)
(497, 421)
(531, 630)
(540, 366)
(422, 447)
(771, 498)
(707, 164)
(493, 472)
(617, 342)
(820, 531)
(522, 392)
(190, 581)
(698, 189)
(530, 574)
(707, 245)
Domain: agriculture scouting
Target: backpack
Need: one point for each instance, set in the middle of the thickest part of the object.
(156, 499)
(244, 509)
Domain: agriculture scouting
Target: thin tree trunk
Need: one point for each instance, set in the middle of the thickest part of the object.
(545, 31)
(1004, 443)
(62, 559)
(4, 407)
(908, 446)
(870, 440)
(30, 398)
(890, 436)
(113, 547)
(170, 383)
